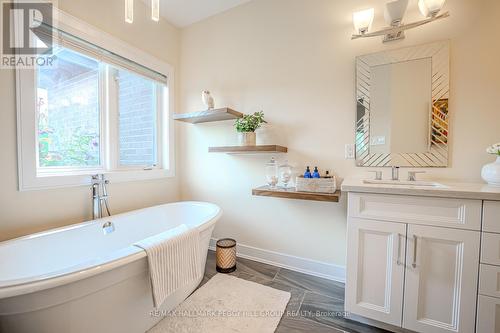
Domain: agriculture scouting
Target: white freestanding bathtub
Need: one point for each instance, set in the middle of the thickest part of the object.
(80, 279)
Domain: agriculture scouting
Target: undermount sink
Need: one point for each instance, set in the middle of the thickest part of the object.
(403, 183)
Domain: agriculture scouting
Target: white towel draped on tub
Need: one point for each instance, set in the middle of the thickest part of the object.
(173, 259)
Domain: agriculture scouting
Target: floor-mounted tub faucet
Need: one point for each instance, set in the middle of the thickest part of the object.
(99, 196)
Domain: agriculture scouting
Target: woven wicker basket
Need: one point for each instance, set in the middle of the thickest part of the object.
(316, 185)
(225, 254)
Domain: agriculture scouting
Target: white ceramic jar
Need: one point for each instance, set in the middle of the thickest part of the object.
(491, 173)
(247, 138)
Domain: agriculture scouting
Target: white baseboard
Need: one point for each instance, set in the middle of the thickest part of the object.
(303, 265)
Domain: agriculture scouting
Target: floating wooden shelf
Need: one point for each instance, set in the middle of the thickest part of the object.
(208, 116)
(249, 149)
(291, 193)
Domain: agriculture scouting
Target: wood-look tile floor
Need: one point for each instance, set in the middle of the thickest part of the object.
(316, 304)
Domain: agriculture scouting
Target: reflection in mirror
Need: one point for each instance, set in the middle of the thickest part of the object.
(401, 95)
(402, 107)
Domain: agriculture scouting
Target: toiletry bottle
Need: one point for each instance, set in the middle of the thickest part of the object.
(316, 173)
(307, 174)
(327, 174)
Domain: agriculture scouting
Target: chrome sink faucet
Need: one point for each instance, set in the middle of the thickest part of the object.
(99, 196)
(395, 173)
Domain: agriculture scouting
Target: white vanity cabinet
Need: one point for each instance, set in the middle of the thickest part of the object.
(412, 261)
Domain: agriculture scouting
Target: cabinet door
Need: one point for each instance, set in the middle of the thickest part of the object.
(441, 280)
(375, 269)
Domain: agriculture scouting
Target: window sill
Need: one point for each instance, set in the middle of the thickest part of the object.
(48, 181)
(136, 175)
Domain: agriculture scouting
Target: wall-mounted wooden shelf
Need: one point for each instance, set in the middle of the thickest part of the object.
(208, 116)
(249, 149)
(291, 193)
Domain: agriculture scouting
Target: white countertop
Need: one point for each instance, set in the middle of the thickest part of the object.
(450, 190)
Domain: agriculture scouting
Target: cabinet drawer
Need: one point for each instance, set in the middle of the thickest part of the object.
(490, 249)
(491, 216)
(451, 213)
(489, 280)
(488, 314)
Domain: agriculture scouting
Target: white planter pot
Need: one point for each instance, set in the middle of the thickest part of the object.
(491, 173)
(247, 138)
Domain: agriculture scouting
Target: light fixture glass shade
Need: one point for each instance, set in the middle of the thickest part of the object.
(362, 20)
(129, 11)
(395, 11)
(430, 8)
(155, 10)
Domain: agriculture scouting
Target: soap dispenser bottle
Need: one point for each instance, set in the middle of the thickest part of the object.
(316, 173)
(307, 174)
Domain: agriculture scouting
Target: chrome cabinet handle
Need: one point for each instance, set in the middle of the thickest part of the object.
(414, 264)
(399, 251)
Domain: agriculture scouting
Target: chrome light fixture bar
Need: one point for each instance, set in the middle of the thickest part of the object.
(393, 14)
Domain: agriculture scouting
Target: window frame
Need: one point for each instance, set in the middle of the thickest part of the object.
(27, 123)
(114, 124)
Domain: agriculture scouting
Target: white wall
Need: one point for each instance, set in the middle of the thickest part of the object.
(295, 60)
(27, 212)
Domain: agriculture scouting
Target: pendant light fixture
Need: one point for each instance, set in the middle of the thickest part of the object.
(155, 10)
(129, 11)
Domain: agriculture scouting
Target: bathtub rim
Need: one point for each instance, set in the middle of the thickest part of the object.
(111, 261)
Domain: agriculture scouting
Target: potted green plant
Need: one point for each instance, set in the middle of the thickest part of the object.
(246, 127)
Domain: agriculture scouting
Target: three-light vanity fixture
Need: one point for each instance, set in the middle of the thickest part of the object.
(129, 10)
(393, 15)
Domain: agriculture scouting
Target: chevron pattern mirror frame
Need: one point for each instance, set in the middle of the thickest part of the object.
(436, 152)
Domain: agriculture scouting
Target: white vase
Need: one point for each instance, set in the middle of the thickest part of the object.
(491, 173)
(247, 138)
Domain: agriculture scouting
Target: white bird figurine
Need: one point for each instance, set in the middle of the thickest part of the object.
(207, 99)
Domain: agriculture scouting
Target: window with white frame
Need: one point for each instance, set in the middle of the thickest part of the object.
(92, 111)
(69, 113)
